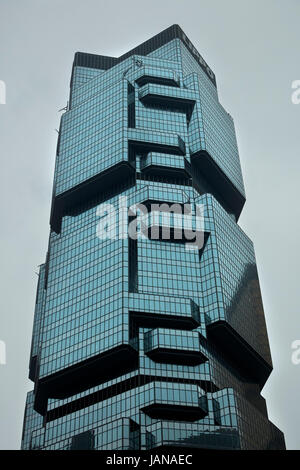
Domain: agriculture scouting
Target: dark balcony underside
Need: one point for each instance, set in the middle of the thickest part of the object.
(177, 356)
(239, 352)
(156, 320)
(84, 375)
(173, 103)
(144, 79)
(146, 147)
(174, 412)
(88, 190)
(217, 178)
(165, 171)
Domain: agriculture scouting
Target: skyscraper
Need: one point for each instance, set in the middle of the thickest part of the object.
(150, 340)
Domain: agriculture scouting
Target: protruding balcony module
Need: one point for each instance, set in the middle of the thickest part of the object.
(164, 345)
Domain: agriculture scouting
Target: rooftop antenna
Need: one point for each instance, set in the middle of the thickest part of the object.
(65, 108)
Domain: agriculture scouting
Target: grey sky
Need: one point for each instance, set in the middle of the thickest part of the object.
(253, 48)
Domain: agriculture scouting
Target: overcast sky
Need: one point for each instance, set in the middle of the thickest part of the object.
(253, 48)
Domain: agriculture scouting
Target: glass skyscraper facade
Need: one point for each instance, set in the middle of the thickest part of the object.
(143, 342)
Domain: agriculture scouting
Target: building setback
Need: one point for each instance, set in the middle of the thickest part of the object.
(142, 342)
